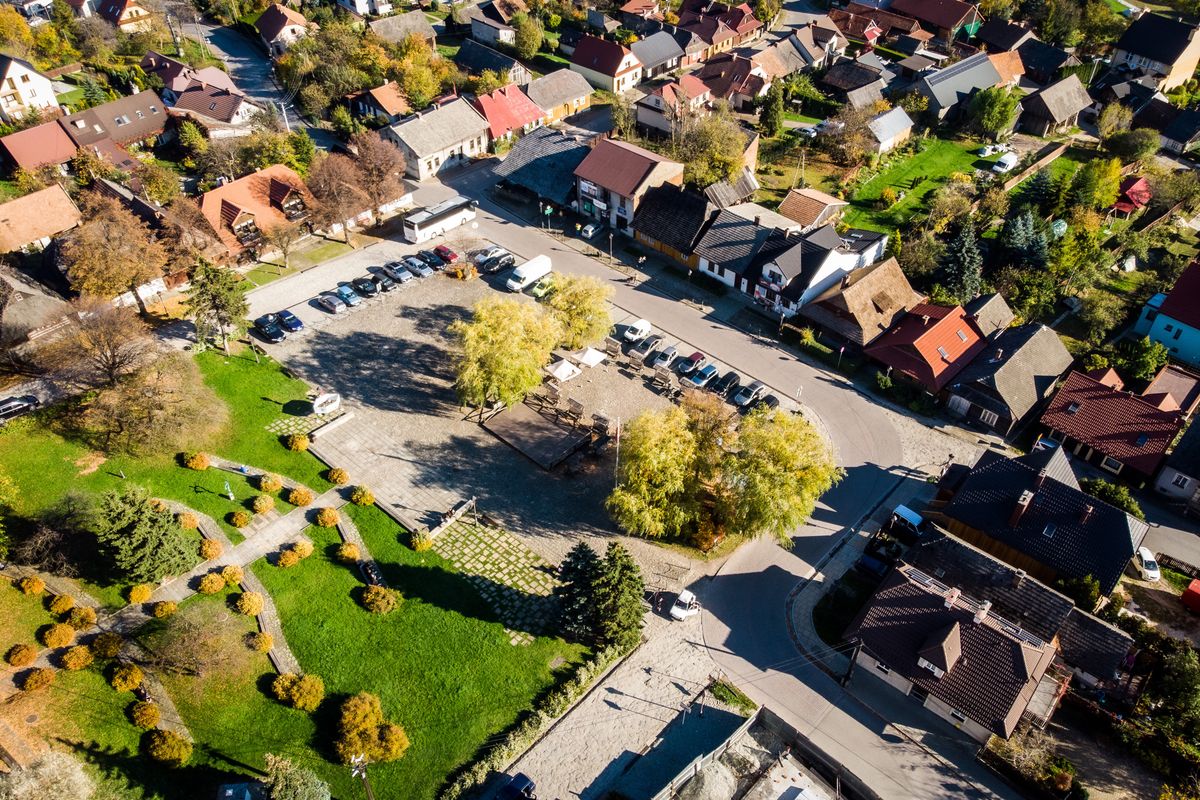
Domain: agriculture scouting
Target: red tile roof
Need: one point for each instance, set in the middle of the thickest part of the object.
(1183, 301)
(1131, 429)
(257, 195)
(507, 109)
(276, 18)
(38, 146)
(641, 8)
(1135, 194)
(619, 166)
(599, 55)
(916, 345)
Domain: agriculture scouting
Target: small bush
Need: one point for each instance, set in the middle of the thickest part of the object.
(380, 599)
(249, 603)
(61, 604)
(163, 609)
(81, 617)
(327, 517)
(421, 541)
(361, 496)
(167, 747)
(187, 520)
(211, 583)
(300, 496)
(281, 687)
(263, 503)
(304, 692)
(77, 658)
(296, 442)
(232, 574)
(144, 714)
(107, 645)
(31, 585)
(140, 593)
(210, 549)
(288, 558)
(347, 552)
(259, 642)
(302, 548)
(37, 679)
(58, 635)
(269, 483)
(21, 655)
(337, 476)
(127, 677)
(196, 461)
(240, 518)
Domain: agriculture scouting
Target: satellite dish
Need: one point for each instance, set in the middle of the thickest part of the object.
(327, 403)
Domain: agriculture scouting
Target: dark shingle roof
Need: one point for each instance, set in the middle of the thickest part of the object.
(399, 27)
(1092, 645)
(124, 120)
(1000, 35)
(1156, 37)
(991, 313)
(848, 75)
(1186, 457)
(475, 58)
(673, 215)
(732, 242)
(956, 82)
(544, 161)
(947, 14)
(1053, 530)
(1016, 372)
(1059, 101)
(1040, 58)
(1182, 303)
(557, 88)
(656, 50)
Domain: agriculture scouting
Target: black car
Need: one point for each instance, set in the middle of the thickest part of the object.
(770, 401)
(729, 382)
(267, 326)
(365, 286)
(519, 787)
(497, 263)
(645, 347)
(431, 258)
(383, 283)
(12, 407)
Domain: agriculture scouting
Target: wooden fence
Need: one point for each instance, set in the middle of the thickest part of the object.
(1045, 156)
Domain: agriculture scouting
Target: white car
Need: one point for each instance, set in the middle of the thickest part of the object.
(1146, 564)
(590, 230)
(686, 605)
(637, 331)
(491, 252)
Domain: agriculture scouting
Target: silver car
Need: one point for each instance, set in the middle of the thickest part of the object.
(332, 303)
(748, 394)
(664, 358)
(418, 267)
(397, 272)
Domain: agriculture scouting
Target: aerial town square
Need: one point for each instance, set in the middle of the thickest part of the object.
(667, 400)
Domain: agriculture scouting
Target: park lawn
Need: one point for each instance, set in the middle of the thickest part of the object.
(794, 117)
(929, 169)
(442, 666)
(23, 615)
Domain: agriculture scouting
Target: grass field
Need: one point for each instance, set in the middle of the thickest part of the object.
(22, 614)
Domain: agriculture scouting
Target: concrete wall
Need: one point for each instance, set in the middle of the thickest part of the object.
(1166, 485)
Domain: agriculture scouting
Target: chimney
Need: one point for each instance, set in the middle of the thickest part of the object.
(952, 597)
(757, 219)
(924, 319)
(1087, 513)
(845, 279)
(982, 612)
(1041, 478)
(1018, 578)
(1020, 508)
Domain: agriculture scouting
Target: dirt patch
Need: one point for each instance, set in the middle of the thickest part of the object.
(90, 462)
(1159, 603)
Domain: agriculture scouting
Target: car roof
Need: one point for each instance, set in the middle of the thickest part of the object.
(686, 596)
(1145, 553)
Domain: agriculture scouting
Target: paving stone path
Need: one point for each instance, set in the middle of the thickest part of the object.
(367, 565)
(515, 581)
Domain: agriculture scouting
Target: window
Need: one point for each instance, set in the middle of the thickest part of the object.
(140, 115)
(1073, 408)
(958, 715)
(937, 671)
(1180, 481)
(24, 79)
(1177, 332)
(883, 668)
(989, 418)
(1111, 464)
(1141, 440)
(962, 336)
(942, 352)
(1168, 328)
(1151, 316)
(1049, 530)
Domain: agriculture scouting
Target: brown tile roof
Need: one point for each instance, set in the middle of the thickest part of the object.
(866, 304)
(854, 25)
(125, 120)
(916, 345)
(619, 166)
(1009, 65)
(1123, 426)
(729, 74)
(1182, 385)
(38, 146)
(43, 213)
(599, 55)
(948, 14)
(1182, 303)
(210, 101)
(276, 18)
(892, 24)
(258, 195)
(389, 99)
(807, 206)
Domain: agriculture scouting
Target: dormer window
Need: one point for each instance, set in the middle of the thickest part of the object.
(1073, 408)
(937, 671)
(942, 352)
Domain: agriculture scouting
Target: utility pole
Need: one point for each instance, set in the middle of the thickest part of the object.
(358, 769)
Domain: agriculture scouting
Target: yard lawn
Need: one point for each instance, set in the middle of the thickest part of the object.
(22, 615)
(917, 176)
(72, 98)
(442, 666)
(44, 465)
(794, 117)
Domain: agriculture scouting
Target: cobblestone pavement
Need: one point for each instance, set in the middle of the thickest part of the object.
(515, 581)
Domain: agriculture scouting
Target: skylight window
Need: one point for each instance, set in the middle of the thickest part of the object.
(1073, 408)
(962, 335)
(1049, 530)
(942, 352)
(1142, 439)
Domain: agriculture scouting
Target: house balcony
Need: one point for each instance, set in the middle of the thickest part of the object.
(249, 235)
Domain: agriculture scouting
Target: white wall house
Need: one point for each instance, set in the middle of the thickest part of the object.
(23, 89)
(367, 7)
(442, 137)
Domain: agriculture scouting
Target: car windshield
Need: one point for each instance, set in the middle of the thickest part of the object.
(1150, 564)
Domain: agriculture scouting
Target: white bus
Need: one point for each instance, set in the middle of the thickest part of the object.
(424, 224)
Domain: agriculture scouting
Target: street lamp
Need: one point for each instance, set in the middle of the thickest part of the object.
(358, 769)
(610, 248)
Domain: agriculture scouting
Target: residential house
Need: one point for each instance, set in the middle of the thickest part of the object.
(1182, 384)
(1121, 432)
(991, 314)
(930, 346)
(736, 79)
(891, 23)
(667, 102)
(439, 138)
(206, 93)
(787, 279)
(637, 13)
(1009, 66)
(542, 164)
(811, 208)
(721, 27)
(126, 15)
(606, 65)
(1000, 35)
(1173, 318)
(864, 303)
(242, 211)
(560, 94)
(32, 221)
(948, 87)
(1179, 479)
(724, 194)
(507, 111)
(814, 45)
(694, 48)
(500, 10)
(732, 249)
(671, 219)
(854, 83)
(28, 312)
(614, 178)
(1134, 195)
(601, 23)
(658, 53)
(364, 8)
(35, 12)
(1182, 134)
(856, 26)
(399, 27)
(948, 19)
(23, 89)
(761, 215)
(475, 58)
(1010, 379)
(891, 129)
(385, 102)
(1055, 108)
(1030, 513)
(1163, 47)
(82, 8)
(1044, 63)
(33, 148)
(964, 663)
(492, 31)
(127, 120)
(279, 27)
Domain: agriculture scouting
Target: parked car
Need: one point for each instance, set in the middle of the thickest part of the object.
(383, 282)
(729, 382)
(639, 330)
(347, 294)
(331, 303)
(542, 287)
(1147, 565)
(692, 363)
(645, 347)
(290, 322)
(13, 407)
(1006, 163)
(589, 230)
(418, 267)
(397, 272)
(268, 328)
(664, 358)
(498, 263)
(519, 787)
(905, 524)
(685, 605)
(872, 566)
(703, 376)
(748, 394)
(488, 253)
(431, 258)
(992, 149)
(365, 287)
(769, 402)
(445, 254)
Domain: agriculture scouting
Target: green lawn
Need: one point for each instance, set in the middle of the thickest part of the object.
(22, 615)
(794, 117)
(73, 98)
(929, 169)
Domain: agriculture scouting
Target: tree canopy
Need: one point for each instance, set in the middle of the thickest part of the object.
(992, 111)
(140, 537)
(580, 304)
(216, 304)
(505, 345)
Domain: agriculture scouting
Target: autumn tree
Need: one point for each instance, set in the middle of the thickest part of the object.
(15, 35)
(654, 495)
(380, 166)
(287, 781)
(1138, 144)
(335, 182)
(993, 110)
(159, 183)
(1115, 117)
(283, 237)
(529, 35)
(54, 775)
(848, 138)
(505, 345)
(112, 251)
(580, 304)
(712, 148)
(216, 304)
(103, 344)
(623, 117)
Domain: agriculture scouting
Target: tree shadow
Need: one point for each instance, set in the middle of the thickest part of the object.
(141, 775)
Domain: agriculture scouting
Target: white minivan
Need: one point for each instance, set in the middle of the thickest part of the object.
(524, 275)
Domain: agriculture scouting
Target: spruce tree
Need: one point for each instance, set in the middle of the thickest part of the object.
(618, 599)
(771, 120)
(578, 575)
(894, 244)
(962, 265)
(1039, 191)
(140, 538)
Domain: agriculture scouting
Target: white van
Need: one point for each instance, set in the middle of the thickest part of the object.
(1005, 163)
(524, 275)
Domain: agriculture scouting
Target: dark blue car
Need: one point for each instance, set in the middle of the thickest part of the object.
(290, 322)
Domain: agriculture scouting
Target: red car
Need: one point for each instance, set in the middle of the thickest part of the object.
(446, 254)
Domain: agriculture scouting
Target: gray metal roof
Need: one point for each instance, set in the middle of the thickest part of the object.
(401, 26)
(557, 88)
(1059, 101)
(656, 50)
(890, 124)
(430, 132)
(955, 83)
(544, 161)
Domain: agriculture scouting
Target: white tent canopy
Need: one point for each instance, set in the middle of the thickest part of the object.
(563, 371)
(588, 357)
